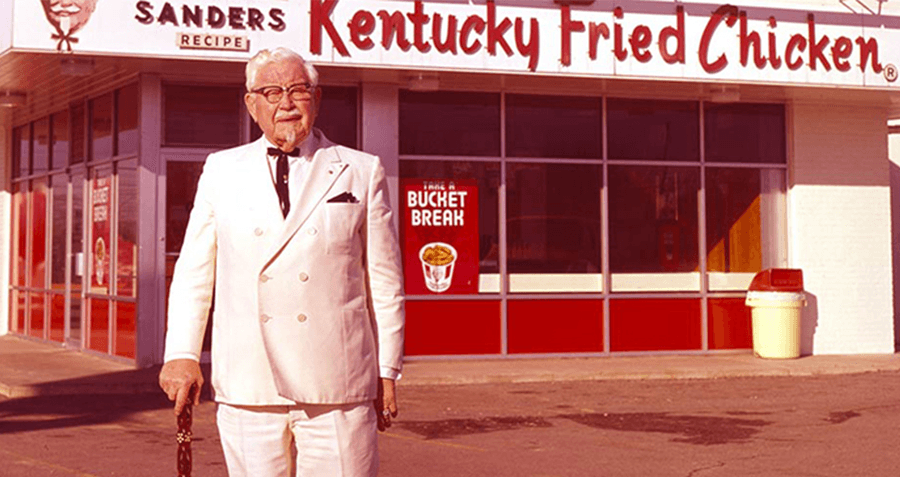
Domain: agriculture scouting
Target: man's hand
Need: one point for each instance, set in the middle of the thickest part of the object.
(386, 403)
(181, 379)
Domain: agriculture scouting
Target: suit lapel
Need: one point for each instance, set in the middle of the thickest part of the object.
(262, 198)
(324, 170)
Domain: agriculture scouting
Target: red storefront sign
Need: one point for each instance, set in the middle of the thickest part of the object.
(440, 236)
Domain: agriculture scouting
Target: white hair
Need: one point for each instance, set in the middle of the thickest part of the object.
(264, 57)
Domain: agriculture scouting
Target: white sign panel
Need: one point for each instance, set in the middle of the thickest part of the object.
(780, 44)
(6, 10)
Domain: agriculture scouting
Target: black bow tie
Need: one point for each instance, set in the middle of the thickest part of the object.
(274, 151)
(281, 177)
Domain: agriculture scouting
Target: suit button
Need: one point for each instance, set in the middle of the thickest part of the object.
(301, 317)
(311, 231)
(303, 277)
(264, 278)
(258, 231)
(264, 317)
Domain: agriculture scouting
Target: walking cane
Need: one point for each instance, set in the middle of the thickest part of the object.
(183, 437)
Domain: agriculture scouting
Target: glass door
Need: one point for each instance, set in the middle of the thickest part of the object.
(182, 171)
(74, 335)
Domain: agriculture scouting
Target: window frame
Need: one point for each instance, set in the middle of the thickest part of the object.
(699, 282)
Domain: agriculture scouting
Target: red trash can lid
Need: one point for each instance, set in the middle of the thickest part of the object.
(778, 279)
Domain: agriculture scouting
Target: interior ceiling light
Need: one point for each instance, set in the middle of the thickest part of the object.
(12, 99)
(724, 94)
(76, 66)
(423, 82)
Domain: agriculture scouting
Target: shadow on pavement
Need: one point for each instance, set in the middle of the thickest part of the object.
(460, 427)
(701, 430)
(61, 411)
(89, 400)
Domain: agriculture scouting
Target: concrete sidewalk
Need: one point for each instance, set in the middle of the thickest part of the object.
(29, 368)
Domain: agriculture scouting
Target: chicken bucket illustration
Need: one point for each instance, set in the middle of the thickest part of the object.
(438, 261)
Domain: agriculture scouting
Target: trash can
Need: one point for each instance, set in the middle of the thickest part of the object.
(776, 299)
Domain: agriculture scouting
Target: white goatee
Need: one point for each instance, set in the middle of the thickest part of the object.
(65, 24)
(290, 139)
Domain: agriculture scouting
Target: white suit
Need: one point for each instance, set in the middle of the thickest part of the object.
(307, 307)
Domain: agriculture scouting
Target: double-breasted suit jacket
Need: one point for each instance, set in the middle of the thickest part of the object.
(308, 308)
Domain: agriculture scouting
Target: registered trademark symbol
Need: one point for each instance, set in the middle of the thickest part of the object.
(891, 73)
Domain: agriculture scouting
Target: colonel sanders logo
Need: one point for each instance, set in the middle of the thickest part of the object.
(67, 16)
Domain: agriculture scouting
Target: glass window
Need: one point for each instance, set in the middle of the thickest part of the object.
(79, 132)
(553, 126)
(59, 186)
(40, 144)
(744, 232)
(181, 187)
(39, 199)
(202, 115)
(653, 221)
(487, 177)
(19, 272)
(450, 123)
(127, 120)
(102, 127)
(553, 227)
(653, 130)
(59, 156)
(101, 227)
(338, 115)
(22, 151)
(127, 248)
(752, 133)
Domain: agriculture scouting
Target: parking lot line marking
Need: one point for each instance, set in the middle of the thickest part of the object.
(40, 463)
(423, 441)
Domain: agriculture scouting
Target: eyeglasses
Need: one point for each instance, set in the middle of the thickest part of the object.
(297, 92)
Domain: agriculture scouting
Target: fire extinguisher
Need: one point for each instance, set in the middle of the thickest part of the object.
(669, 242)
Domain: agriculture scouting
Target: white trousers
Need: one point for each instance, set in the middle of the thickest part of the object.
(329, 440)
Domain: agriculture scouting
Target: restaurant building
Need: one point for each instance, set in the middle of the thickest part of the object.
(570, 177)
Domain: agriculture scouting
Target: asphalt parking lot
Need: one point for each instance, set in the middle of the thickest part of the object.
(828, 425)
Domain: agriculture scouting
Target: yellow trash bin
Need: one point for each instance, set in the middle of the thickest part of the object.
(776, 323)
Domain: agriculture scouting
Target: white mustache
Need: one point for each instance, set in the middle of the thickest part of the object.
(288, 117)
(70, 10)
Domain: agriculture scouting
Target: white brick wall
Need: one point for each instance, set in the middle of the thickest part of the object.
(894, 153)
(839, 208)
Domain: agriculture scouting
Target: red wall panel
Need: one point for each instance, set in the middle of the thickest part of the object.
(57, 317)
(452, 327)
(38, 305)
(126, 318)
(654, 324)
(19, 301)
(555, 326)
(729, 324)
(98, 339)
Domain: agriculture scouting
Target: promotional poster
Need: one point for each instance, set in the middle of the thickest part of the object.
(440, 236)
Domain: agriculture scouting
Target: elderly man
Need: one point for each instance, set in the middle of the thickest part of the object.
(295, 235)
